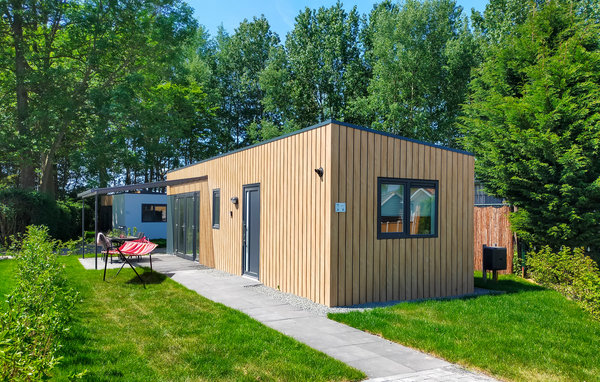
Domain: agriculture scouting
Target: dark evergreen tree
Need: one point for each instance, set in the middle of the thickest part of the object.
(533, 121)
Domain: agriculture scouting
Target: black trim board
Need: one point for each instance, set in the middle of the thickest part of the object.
(316, 126)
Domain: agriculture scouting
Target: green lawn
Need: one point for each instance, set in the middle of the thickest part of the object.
(166, 332)
(7, 280)
(528, 334)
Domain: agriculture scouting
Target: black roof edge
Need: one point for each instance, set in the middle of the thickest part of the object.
(321, 124)
(129, 187)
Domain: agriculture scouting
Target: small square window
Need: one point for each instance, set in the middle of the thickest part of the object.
(216, 212)
(396, 218)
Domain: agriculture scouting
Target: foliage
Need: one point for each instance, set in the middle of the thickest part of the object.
(62, 64)
(151, 125)
(422, 55)
(162, 243)
(20, 208)
(517, 265)
(525, 333)
(500, 19)
(118, 232)
(141, 78)
(38, 311)
(570, 272)
(317, 73)
(533, 123)
(240, 59)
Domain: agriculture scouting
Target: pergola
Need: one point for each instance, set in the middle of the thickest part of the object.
(95, 192)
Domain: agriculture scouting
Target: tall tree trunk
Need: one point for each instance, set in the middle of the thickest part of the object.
(47, 183)
(103, 176)
(27, 171)
(48, 178)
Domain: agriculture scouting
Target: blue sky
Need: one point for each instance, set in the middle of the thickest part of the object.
(280, 13)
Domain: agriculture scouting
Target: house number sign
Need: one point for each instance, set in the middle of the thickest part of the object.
(340, 207)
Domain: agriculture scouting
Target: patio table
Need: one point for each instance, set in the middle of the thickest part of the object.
(123, 239)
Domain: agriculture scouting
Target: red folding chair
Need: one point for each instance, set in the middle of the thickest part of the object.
(132, 248)
(138, 248)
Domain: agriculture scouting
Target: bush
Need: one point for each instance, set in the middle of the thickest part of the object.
(20, 208)
(38, 310)
(570, 272)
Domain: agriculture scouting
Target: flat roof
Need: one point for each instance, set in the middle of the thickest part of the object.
(139, 186)
(324, 123)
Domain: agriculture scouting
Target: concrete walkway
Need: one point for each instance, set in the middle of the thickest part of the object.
(379, 359)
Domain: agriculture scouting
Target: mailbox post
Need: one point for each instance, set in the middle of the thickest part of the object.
(494, 259)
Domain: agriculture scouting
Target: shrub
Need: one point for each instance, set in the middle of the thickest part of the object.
(20, 208)
(570, 272)
(38, 310)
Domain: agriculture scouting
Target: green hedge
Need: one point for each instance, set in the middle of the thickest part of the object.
(38, 310)
(571, 272)
(20, 208)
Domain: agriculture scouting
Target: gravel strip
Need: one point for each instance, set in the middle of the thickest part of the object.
(322, 310)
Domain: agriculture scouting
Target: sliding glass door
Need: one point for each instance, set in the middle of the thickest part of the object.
(185, 225)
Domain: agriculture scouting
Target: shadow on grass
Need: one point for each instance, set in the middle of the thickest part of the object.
(508, 284)
(149, 277)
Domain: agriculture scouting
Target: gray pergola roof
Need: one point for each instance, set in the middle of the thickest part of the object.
(139, 186)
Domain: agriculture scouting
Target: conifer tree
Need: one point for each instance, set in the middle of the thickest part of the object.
(533, 122)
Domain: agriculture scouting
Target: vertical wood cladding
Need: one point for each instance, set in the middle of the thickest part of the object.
(367, 269)
(295, 229)
(308, 249)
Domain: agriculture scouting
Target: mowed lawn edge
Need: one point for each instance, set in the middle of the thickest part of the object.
(529, 333)
(121, 331)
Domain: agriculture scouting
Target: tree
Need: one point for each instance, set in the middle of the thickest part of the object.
(422, 55)
(318, 72)
(240, 59)
(501, 18)
(533, 122)
(62, 55)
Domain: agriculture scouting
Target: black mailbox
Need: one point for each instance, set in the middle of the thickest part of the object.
(494, 258)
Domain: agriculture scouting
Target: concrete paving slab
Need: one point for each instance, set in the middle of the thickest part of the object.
(447, 373)
(349, 353)
(379, 359)
(380, 367)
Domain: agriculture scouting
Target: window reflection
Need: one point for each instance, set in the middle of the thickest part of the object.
(422, 210)
(392, 207)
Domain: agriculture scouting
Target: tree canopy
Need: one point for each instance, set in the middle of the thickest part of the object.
(533, 121)
(100, 93)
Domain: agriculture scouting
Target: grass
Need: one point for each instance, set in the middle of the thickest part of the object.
(162, 243)
(7, 280)
(166, 332)
(527, 334)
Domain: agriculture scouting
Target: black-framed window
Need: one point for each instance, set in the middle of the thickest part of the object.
(216, 212)
(154, 213)
(406, 208)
